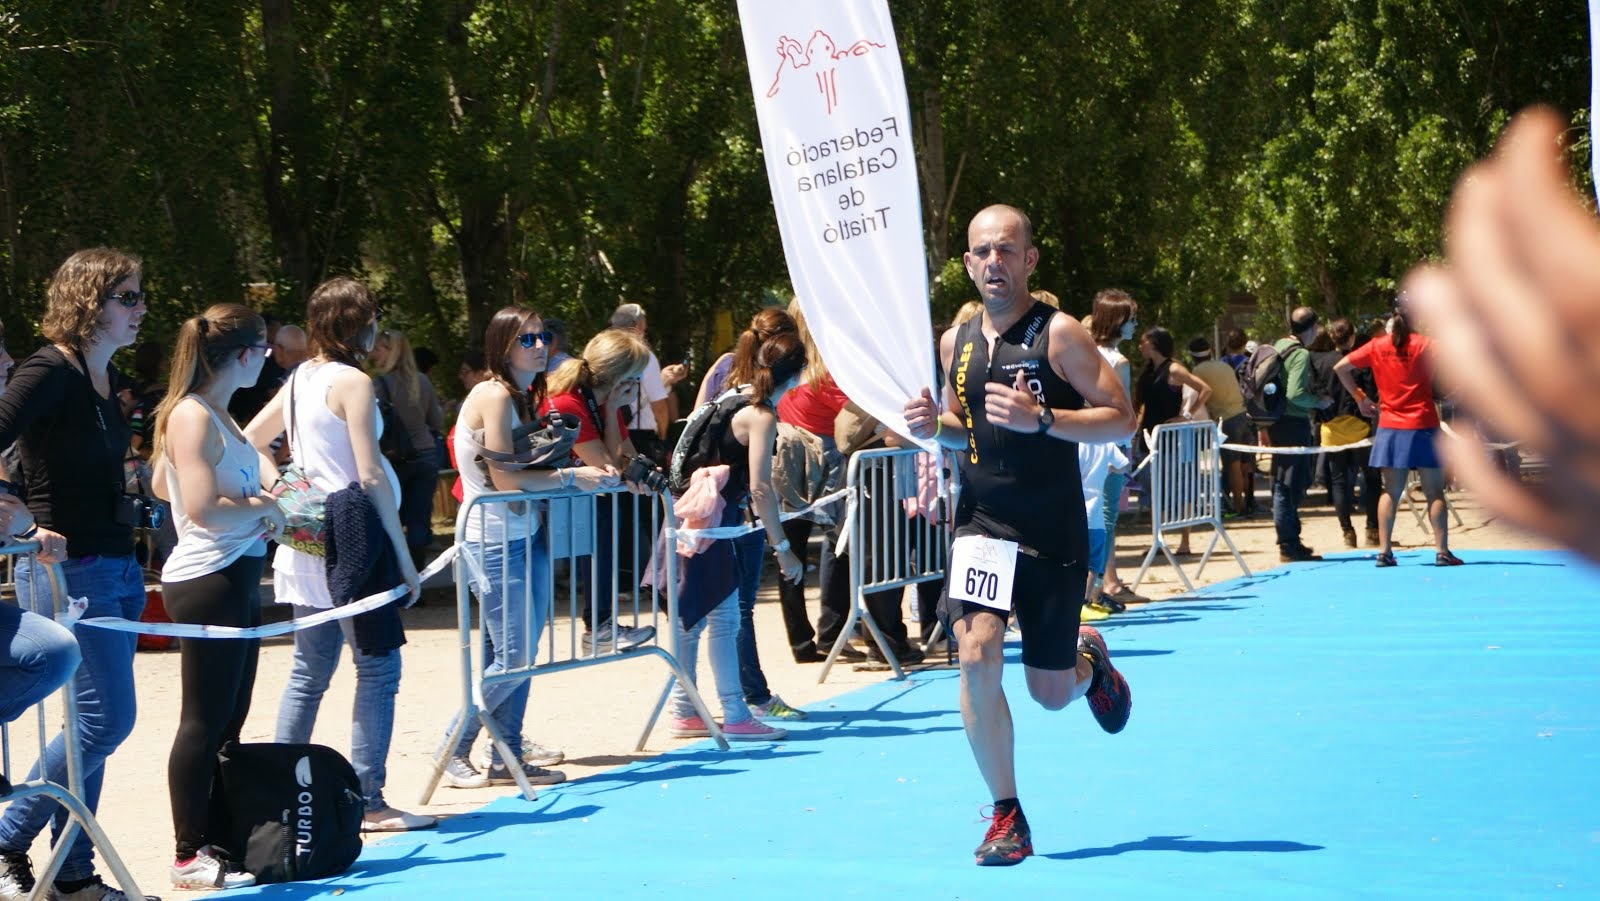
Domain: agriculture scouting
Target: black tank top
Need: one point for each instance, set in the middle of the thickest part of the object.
(1017, 487)
(1161, 401)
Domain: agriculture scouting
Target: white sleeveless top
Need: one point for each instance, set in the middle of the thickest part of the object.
(495, 521)
(200, 550)
(1113, 357)
(320, 443)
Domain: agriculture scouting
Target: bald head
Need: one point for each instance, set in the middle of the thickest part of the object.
(289, 347)
(1003, 213)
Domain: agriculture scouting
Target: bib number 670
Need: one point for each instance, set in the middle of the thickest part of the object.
(982, 584)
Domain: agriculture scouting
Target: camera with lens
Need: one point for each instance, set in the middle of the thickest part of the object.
(642, 470)
(139, 511)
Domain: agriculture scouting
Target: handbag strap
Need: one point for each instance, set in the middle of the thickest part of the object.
(292, 441)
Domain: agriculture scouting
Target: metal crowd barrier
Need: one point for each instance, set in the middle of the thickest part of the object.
(1185, 490)
(573, 530)
(889, 545)
(69, 796)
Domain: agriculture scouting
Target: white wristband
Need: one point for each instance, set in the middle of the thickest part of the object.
(781, 546)
(568, 478)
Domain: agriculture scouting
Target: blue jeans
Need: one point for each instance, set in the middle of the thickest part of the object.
(748, 550)
(316, 654)
(38, 657)
(721, 628)
(418, 480)
(1291, 476)
(106, 700)
(513, 640)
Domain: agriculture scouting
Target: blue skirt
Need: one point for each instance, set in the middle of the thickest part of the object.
(1404, 449)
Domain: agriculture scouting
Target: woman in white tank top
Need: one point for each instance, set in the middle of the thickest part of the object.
(335, 440)
(504, 538)
(212, 476)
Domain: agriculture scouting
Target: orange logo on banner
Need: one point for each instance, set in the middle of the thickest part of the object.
(821, 49)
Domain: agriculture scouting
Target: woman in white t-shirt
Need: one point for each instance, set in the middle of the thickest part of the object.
(505, 539)
(334, 439)
(212, 476)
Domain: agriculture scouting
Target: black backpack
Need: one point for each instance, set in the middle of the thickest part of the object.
(700, 445)
(295, 810)
(1263, 383)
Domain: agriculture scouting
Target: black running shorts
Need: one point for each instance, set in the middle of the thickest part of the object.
(1047, 596)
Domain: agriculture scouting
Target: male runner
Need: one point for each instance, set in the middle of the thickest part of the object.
(1014, 403)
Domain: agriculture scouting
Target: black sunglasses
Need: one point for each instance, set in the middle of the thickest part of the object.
(526, 339)
(129, 299)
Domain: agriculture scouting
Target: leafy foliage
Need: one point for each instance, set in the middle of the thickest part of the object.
(571, 154)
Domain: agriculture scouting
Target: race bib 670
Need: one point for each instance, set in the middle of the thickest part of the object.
(982, 570)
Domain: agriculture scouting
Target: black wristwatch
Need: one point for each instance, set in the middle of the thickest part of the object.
(1047, 418)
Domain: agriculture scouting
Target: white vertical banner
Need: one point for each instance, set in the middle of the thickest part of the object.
(836, 131)
(1594, 93)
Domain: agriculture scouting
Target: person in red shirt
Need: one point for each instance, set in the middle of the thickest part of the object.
(1408, 422)
(594, 388)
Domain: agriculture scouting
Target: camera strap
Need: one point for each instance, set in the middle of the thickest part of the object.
(595, 415)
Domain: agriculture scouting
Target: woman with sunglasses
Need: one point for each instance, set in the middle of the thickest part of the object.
(213, 477)
(592, 389)
(504, 538)
(330, 411)
(61, 410)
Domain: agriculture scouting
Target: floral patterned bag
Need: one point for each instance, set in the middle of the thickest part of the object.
(302, 501)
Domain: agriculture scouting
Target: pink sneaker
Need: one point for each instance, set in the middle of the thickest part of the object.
(690, 727)
(753, 730)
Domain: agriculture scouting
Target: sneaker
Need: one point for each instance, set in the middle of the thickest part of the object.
(93, 890)
(753, 730)
(1298, 554)
(1109, 697)
(690, 727)
(1349, 537)
(16, 876)
(532, 752)
(460, 773)
(205, 871)
(624, 638)
(1094, 612)
(906, 656)
(1008, 840)
(1372, 537)
(777, 709)
(847, 654)
(500, 774)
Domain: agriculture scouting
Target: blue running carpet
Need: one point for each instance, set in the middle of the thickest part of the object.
(1323, 730)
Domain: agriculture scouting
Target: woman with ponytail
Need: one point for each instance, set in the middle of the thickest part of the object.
(212, 476)
(731, 370)
(593, 388)
(710, 578)
(1408, 423)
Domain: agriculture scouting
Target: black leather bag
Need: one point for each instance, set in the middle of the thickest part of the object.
(545, 443)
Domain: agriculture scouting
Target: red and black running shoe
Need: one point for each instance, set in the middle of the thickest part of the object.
(1110, 699)
(1008, 840)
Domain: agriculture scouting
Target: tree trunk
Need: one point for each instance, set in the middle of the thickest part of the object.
(284, 164)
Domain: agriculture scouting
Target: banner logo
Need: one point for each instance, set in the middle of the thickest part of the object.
(822, 50)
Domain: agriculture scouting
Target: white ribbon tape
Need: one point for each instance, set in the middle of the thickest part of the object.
(270, 630)
(721, 532)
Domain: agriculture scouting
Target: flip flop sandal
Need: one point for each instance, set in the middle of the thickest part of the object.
(1386, 558)
(1445, 558)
